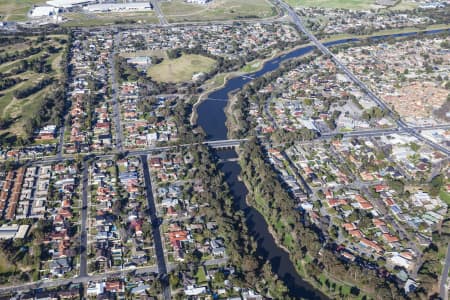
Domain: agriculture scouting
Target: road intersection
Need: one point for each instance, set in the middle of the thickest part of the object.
(162, 267)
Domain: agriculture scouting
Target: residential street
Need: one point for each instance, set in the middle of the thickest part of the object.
(400, 123)
(159, 249)
(443, 287)
(369, 185)
(84, 209)
(116, 106)
(79, 279)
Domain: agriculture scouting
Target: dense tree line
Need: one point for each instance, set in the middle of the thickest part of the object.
(255, 272)
(181, 113)
(6, 83)
(50, 111)
(19, 55)
(11, 40)
(51, 107)
(278, 207)
(38, 65)
(23, 93)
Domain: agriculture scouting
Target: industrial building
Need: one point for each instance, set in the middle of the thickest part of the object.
(119, 7)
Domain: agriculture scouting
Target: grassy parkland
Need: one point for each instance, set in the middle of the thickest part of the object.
(181, 69)
(31, 69)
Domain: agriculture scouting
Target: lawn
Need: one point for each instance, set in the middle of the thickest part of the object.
(181, 69)
(179, 11)
(201, 276)
(347, 4)
(252, 66)
(445, 197)
(16, 10)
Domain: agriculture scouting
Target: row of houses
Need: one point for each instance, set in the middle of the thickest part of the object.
(118, 194)
(352, 197)
(409, 75)
(90, 121)
(46, 193)
(145, 129)
(302, 97)
(215, 39)
(337, 21)
(59, 242)
(179, 193)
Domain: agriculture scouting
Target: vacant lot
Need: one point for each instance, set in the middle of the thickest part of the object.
(100, 19)
(26, 63)
(16, 10)
(179, 11)
(181, 69)
(348, 4)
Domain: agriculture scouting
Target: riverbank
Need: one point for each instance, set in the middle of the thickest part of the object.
(262, 63)
(275, 223)
(385, 32)
(204, 95)
(316, 264)
(267, 248)
(245, 70)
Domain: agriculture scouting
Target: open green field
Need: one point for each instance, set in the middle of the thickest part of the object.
(16, 111)
(179, 11)
(181, 69)
(349, 4)
(100, 19)
(16, 10)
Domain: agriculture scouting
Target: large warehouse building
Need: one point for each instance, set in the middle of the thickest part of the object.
(119, 7)
(69, 3)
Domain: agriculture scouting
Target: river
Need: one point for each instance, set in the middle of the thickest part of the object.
(212, 118)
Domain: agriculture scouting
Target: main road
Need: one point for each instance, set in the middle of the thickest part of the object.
(159, 249)
(159, 13)
(400, 123)
(220, 144)
(76, 280)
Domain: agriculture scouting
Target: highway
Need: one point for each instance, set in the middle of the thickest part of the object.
(116, 105)
(400, 123)
(159, 249)
(159, 13)
(443, 287)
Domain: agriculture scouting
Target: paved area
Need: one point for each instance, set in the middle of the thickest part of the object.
(159, 249)
(443, 288)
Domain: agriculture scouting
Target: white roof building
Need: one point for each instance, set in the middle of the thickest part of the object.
(119, 7)
(190, 290)
(43, 11)
(68, 3)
